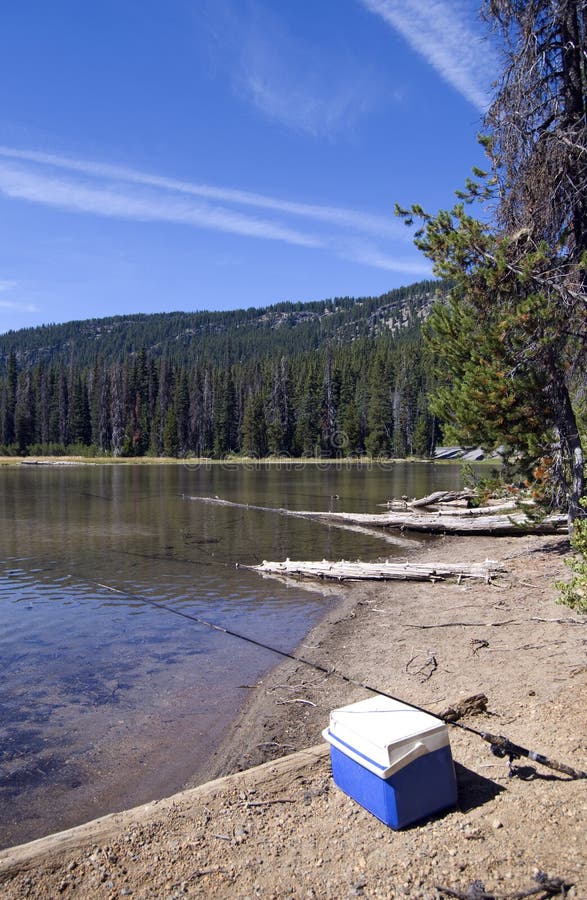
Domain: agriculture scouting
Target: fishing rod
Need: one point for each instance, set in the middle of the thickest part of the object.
(500, 745)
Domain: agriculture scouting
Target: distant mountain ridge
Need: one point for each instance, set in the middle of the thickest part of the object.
(222, 337)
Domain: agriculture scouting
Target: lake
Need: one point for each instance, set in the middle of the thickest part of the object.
(107, 701)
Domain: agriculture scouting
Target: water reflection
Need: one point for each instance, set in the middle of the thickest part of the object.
(108, 701)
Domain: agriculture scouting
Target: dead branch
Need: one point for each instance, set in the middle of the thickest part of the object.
(427, 670)
(547, 887)
(275, 744)
(251, 803)
(200, 873)
(297, 700)
(440, 497)
(560, 621)
(463, 624)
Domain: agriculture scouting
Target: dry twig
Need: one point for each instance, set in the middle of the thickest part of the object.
(251, 803)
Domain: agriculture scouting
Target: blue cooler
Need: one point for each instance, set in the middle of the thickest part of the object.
(392, 759)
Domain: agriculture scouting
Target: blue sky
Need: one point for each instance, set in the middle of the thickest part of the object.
(214, 154)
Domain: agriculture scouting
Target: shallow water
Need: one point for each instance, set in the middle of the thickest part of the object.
(107, 701)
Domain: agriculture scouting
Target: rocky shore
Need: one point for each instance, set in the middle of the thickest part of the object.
(277, 827)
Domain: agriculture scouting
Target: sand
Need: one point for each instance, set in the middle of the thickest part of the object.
(278, 827)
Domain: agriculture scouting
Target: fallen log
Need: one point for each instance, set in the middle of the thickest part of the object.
(443, 507)
(432, 523)
(439, 523)
(348, 525)
(474, 511)
(440, 497)
(380, 571)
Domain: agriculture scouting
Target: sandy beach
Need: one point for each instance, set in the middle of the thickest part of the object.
(269, 822)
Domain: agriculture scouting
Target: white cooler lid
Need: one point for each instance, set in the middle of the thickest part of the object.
(385, 732)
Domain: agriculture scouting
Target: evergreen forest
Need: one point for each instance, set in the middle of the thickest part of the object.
(335, 378)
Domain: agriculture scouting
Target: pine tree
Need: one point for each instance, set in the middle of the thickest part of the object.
(182, 407)
(332, 440)
(380, 420)
(140, 397)
(206, 441)
(117, 418)
(307, 430)
(24, 425)
(514, 331)
(255, 442)
(9, 401)
(225, 416)
(280, 415)
(166, 385)
(170, 435)
(80, 426)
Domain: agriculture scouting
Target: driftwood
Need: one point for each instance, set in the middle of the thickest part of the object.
(439, 523)
(545, 887)
(440, 497)
(431, 522)
(463, 624)
(474, 511)
(383, 571)
(442, 508)
(348, 525)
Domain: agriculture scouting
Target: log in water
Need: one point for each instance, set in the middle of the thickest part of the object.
(440, 522)
(380, 571)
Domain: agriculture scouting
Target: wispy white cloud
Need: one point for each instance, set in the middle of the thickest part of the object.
(445, 33)
(306, 99)
(369, 255)
(298, 82)
(12, 305)
(100, 189)
(18, 306)
(68, 194)
(339, 216)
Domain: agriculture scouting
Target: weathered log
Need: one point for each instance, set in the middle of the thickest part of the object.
(347, 524)
(475, 511)
(440, 497)
(381, 571)
(449, 507)
(437, 523)
(432, 523)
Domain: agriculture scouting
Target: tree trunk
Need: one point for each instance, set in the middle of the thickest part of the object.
(571, 446)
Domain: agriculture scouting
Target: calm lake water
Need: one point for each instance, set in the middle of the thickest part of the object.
(107, 701)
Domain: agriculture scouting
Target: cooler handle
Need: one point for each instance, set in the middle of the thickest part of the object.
(416, 750)
(413, 753)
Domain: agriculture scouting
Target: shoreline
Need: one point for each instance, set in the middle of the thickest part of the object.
(255, 713)
(271, 706)
(294, 462)
(289, 832)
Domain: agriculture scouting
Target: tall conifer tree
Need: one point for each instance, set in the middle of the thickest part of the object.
(513, 336)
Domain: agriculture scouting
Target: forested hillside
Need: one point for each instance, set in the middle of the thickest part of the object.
(330, 378)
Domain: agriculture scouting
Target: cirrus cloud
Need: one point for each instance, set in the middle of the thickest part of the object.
(448, 37)
(120, 192)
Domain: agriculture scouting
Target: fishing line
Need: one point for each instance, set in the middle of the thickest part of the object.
(500, 746)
